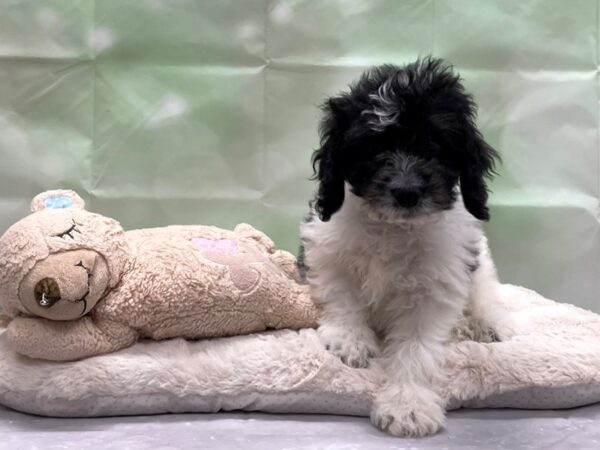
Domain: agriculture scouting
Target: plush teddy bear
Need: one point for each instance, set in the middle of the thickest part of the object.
(76, 284)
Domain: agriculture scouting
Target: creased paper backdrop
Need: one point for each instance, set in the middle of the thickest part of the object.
(188, 111)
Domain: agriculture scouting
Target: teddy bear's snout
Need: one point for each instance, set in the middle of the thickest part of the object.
(71, 285)
(65, 285)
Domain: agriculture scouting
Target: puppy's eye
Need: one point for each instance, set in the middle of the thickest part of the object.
(68, 233)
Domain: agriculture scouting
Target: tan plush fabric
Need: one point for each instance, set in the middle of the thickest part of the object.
(78, 285)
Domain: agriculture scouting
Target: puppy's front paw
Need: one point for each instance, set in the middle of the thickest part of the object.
(353, 346)
(408, 410)
(473, 331)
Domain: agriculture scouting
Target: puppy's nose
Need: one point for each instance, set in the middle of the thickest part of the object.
(406, 197)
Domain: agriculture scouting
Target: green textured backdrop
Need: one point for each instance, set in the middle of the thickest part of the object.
(181, 111)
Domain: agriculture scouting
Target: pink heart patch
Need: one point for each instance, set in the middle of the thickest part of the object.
(219, 245)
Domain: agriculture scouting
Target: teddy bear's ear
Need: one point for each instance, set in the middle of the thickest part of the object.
(58, 199)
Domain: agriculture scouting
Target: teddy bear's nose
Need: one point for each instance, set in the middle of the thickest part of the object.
(47, 292)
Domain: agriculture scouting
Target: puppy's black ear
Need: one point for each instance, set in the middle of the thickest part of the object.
(327, 159)
(479, 164)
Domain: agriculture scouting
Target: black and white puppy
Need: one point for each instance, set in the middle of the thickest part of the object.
(394, 249)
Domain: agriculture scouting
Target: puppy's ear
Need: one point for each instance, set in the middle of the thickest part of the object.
(327, 159)
(479, 164)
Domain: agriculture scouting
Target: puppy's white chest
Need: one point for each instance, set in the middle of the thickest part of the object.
(404, 267)
(388, 267)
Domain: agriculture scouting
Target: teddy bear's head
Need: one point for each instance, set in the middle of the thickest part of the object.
(59, 261)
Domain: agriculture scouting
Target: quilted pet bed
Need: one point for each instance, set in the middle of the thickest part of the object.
(553, 361)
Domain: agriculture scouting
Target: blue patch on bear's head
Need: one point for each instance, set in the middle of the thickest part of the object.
(58, 202)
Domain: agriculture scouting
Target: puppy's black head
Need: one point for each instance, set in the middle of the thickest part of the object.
(403, 138)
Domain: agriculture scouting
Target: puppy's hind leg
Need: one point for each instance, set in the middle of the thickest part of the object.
(485, 319)
(343, 324)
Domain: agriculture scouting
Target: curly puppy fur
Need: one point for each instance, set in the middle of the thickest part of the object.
(393, 248)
